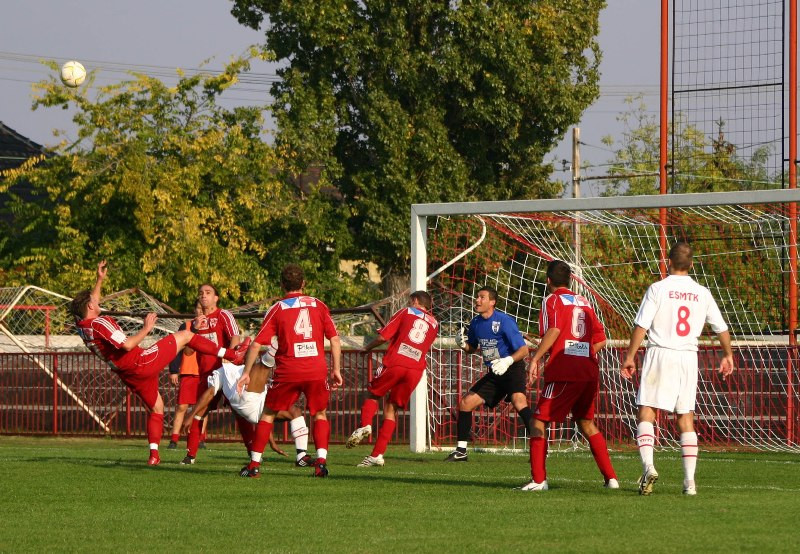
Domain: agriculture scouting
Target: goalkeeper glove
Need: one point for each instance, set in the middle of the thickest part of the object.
(462, 338)
(500, 366)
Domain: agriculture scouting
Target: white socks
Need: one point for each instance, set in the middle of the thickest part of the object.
(153, 446)
(255, 456)
(689, 450)
(299, 433)
(646, 439)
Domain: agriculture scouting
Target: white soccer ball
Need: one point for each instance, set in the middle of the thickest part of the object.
(73, 73)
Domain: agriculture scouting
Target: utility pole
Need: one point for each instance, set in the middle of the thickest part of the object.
(576, 193)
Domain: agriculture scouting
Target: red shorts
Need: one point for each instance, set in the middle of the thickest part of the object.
(401, 381)
(187, 389)
(559, 398)
(202, 387)
(142, 378)
(282, 396)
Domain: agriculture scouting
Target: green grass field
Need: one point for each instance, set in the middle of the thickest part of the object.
(99, 496)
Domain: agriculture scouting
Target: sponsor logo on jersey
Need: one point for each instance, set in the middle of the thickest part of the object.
(573, 300)
(495, 326)
(298, 302)
(305, 349)
(409, 352)
(576, 348)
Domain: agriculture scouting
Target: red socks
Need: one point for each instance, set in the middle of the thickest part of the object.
(263, 431)
(193, 440)
(175, 437)
(597, 443)
(384, 436)
(205, 346)
(155, 427)
(247, 430)
(368, 410)
(322, 435)
(538, 456)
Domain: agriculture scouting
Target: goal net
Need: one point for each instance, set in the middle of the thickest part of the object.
(743, 245)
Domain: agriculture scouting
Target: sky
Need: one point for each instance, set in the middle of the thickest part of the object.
(158, 36)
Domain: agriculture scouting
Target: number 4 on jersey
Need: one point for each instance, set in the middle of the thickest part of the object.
(302, 326)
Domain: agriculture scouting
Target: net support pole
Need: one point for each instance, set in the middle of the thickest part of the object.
(418, 409)
(662, 135)
(791, 407)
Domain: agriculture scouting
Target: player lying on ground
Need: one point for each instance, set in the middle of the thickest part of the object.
(410, 332)
(248, 406)
(138, 368)
(672, 314)
(572, 334)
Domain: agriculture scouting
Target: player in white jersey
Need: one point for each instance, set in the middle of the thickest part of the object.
(672, 314)
(248, 406)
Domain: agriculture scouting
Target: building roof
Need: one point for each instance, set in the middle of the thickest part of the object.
(15, 148)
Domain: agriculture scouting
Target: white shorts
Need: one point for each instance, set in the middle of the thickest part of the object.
(249, 405)
(669, 380)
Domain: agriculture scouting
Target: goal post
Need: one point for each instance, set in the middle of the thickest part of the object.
(743, 242)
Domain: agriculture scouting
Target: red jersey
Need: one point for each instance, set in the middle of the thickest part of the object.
(571, 356)
(301, 324)
(105, 337)
(410, 333)
(220, 328)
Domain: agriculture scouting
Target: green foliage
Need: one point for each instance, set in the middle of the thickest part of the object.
(174, 191)
(698, 163)
(427, 101)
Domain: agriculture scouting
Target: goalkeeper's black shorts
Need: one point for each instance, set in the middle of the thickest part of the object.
(493, 388)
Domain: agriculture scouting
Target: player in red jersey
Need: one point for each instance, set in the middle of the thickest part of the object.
(573, 335)
(410, 333)
(138, 368)
(220, 327)
(296, 327)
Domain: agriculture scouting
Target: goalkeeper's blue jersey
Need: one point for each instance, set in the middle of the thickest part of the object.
(497, 336)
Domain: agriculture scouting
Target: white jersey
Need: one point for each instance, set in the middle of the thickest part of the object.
(674, 311)
(249, 405)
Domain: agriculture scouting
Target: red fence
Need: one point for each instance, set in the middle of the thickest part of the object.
(75, 394)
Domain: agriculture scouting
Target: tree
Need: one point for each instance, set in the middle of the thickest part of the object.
(174, 191)
(426, 101)
(698, 163)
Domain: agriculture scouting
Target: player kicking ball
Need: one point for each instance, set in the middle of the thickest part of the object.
(410, 332)
(672, 314)
(248, 405)
(138, 367)
(573, 335)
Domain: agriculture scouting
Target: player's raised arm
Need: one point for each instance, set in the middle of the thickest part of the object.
(628, 367)
(102, 271)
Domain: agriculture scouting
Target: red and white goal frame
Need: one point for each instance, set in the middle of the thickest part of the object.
(745, 247)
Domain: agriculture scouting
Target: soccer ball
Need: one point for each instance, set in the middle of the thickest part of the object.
(73, 73)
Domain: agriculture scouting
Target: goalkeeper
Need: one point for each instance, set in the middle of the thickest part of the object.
(496, 335)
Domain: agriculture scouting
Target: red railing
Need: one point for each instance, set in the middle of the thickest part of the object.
(75, 394)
